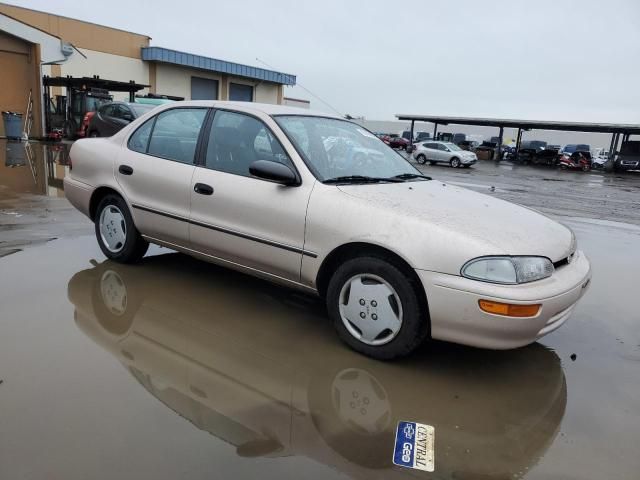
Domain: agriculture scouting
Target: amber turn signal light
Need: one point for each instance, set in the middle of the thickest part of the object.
(508, 309)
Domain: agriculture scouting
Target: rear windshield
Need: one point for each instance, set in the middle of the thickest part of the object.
(141, 109)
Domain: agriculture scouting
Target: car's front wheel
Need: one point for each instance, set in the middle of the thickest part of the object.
(376, 308)
(455, 162)
(117, 235)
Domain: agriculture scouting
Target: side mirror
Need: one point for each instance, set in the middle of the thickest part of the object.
(274, 172)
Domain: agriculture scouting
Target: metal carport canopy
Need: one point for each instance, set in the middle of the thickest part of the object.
(631, 129)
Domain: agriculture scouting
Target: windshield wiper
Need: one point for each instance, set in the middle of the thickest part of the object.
(362, 179)
(409, 176)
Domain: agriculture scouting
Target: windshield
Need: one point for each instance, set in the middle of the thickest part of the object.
(337, 148)
(453, 147)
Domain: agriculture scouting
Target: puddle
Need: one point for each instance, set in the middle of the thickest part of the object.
(179, 369)
(36, 168)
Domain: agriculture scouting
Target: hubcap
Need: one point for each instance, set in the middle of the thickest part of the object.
(114, 293)
(370, 309)
(361, 401)
(113, 229)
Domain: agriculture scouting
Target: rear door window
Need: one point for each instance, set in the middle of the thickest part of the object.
(175, 134)
(139, 141)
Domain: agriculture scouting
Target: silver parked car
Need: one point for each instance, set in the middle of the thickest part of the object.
(398, 257)
(443, 152)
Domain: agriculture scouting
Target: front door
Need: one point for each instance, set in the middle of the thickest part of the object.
(155, 173)
(242, 219)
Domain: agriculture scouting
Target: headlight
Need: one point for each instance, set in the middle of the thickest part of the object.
(508, 270)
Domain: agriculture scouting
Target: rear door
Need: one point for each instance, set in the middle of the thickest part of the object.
(431, 151)
(156, 169)
(240, 218)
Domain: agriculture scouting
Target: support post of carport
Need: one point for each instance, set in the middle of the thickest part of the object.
(615, 145)
(499, 151)
(413, 123)
(518, 139)
(613, 138)
(435, 131)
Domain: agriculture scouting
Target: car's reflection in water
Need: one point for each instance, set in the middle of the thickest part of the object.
(260, 368)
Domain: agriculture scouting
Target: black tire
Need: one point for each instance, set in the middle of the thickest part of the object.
(134, 246)
(455, 162)
(415, 321)
(421, 159)
(94, 134)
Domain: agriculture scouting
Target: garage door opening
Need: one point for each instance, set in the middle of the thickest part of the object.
(240, 93)
(204, 89)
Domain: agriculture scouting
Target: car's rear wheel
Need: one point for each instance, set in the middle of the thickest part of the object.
(421, 159)
(116, 233)
(454, 162)
(376, 308)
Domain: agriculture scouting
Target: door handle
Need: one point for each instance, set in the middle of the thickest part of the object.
(125, 170)
(203, 189)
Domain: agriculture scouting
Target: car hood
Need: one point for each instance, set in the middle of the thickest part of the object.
(473, 222)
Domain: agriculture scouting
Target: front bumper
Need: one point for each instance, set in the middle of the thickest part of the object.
(456, 316)
(628, 165)
(468, 161)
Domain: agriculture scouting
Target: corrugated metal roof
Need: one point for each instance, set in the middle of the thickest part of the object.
(165, 55)
(528, 124)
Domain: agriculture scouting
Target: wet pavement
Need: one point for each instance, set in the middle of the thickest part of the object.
(180, 369)
(33, 209)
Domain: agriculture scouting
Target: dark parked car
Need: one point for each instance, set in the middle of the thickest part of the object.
(548, 156)
(113, 117)
(629, 156)
(576, 147)
(533, 145)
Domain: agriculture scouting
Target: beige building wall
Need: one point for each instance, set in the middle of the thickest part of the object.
(266, 93)
(176, 80)
(81, 34)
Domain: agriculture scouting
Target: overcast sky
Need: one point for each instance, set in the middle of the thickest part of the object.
(559, 59)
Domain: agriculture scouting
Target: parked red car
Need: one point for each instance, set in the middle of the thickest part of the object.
(398, 142)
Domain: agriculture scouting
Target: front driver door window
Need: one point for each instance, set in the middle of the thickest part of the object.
(246, 220)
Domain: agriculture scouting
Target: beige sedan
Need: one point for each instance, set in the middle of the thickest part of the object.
(320, 204)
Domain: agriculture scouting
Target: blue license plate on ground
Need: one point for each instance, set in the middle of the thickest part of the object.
(414, 446)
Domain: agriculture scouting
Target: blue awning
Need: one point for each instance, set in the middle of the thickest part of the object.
(165, 55)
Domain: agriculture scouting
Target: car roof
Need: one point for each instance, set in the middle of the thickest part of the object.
(265, 108)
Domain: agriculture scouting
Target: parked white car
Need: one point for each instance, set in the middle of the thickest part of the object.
(443, 152)
(396, 256)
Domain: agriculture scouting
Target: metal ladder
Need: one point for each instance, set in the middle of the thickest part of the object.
(28, 120)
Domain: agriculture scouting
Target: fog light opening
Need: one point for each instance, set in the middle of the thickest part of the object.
(509, 309)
